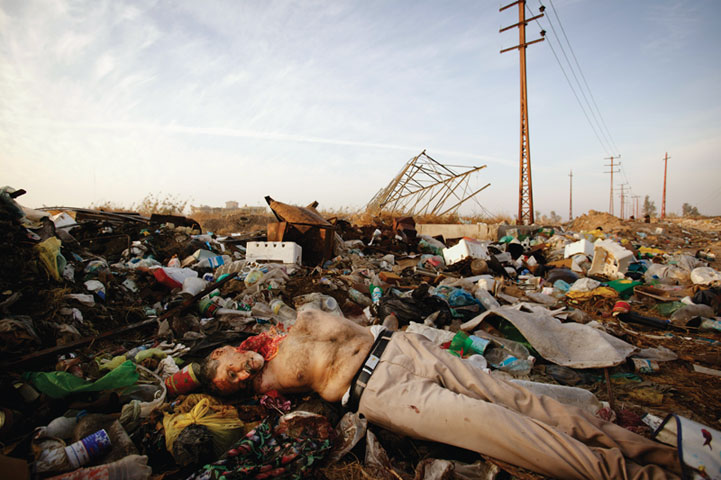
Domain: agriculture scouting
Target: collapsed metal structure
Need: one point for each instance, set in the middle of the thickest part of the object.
(425, 186)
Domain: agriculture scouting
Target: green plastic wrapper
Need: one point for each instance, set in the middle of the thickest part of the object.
(62, 384)
(667, 309)
(624, 287)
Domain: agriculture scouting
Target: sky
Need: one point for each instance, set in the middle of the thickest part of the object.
(109, 101)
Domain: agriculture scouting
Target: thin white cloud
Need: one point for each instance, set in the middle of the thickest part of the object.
(259, 135)
(104, 65)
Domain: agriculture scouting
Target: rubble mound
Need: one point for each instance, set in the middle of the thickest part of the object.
(594, 219)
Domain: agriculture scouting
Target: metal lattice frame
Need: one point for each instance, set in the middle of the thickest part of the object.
(425, 186)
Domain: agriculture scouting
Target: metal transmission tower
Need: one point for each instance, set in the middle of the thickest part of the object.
(612, 171)
(570, 196)
(425, 186)
(663, 202)
(525, 188)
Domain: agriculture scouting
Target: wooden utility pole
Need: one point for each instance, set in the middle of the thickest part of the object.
(635, 204)
(570, 196)
(525, 188)
(663, 202)
(623, 198)
(612, 171)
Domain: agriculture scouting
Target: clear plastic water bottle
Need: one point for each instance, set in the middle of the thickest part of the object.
(359, 298)
(485, 297)
(62, 427)
(502, 359)
(283, 311)
(330, 305)
(376, 293)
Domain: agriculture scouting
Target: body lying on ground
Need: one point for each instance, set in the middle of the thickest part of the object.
(417, 389)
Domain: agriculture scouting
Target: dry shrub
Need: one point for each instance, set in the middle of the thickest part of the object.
(168, 205)
(225, 224)
(365, 218)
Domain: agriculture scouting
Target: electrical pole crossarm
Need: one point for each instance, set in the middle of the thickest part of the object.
(526, 22)
(518, 47)
(509, 5)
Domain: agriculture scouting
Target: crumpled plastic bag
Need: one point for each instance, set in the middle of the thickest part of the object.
(51, 258)
(584, 285)
(666, 274)
(705, 276)
(684, 315)
(221, 419)
(17, 332)
(416, 307)
(350, 430)
(61, 384)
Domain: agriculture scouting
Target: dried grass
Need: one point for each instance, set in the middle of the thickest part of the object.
(354, 471)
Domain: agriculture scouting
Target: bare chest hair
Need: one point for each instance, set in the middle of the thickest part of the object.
(308, 361)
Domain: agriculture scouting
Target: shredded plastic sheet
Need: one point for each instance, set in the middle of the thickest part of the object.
(568, 344)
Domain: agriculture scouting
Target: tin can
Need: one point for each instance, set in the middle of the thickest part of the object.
(183, 381)
(89, 448)
(641, 365)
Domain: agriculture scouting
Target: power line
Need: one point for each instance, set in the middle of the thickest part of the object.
(606, 146)
(573, 90)
(580, 71)
(573, 72)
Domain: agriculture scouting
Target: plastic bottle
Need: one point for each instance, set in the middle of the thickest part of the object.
(62, 427)
(561, 285)
(232, 267)
(330, 304)
(503, 360)
(253, 277)
(283, 311)
(213, 262)
(262, 310)
(710, 324)
(485, 297)
(376, 293)
(53, 456)
(507, 355)
(463, 345)
(359, 298)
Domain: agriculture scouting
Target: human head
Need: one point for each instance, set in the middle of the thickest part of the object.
(227, 370)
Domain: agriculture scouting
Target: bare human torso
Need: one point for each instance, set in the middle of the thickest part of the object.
(322, 353)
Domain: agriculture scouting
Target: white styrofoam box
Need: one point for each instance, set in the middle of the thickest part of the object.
(286, 252)
(581, 246)
(63, 220)
(610, 259)
(464, 249)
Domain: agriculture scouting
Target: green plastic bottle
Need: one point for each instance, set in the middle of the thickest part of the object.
(464, 345)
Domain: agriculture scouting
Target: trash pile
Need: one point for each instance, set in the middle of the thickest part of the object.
(105, 317)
